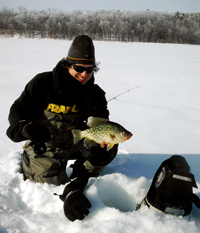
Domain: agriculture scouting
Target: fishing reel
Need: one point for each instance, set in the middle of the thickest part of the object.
(39, 148)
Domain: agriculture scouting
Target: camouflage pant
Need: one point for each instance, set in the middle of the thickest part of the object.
(50, 169)
(44, 168)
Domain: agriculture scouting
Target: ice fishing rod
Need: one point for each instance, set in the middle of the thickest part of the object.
(115, 97)
(40, 148)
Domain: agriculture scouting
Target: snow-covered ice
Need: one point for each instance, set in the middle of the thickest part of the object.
(163, 114)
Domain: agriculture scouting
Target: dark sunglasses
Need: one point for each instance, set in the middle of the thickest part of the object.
(81, 69)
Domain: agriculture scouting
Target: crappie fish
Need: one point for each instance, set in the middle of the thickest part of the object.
(103, 132)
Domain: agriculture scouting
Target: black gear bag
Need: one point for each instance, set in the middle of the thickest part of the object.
(171, 189)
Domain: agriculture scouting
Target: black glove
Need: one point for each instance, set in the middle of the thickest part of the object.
(36, 132)
(76, 204)
(101, 156)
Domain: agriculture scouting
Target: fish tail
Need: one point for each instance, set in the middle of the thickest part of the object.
(77, 135)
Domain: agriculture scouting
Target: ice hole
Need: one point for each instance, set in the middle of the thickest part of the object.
(112, 195)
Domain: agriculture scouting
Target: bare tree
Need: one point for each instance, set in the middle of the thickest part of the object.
(115, 25)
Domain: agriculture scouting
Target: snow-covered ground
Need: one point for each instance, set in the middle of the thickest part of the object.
(163, 114)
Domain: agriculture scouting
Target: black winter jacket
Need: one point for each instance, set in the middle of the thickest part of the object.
(58, 101)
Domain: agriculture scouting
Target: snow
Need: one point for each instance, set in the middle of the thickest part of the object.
(163, 113)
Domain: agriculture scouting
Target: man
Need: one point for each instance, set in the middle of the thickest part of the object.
(51, 105)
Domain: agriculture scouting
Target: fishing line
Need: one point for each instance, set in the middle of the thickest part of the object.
(115, 97)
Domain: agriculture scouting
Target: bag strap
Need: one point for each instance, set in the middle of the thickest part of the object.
(196, 202)
(138, 206)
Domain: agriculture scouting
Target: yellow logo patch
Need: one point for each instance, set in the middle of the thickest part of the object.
(61, 108)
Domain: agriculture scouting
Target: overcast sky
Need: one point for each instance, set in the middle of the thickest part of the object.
(84, 5)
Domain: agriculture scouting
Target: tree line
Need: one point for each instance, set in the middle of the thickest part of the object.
(109, 25)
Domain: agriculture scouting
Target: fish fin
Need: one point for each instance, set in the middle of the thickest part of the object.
(109, 146)
(77, 135)
(112, 136)
(89, 144)
(91, 121)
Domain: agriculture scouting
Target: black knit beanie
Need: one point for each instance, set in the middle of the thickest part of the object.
(81, 51)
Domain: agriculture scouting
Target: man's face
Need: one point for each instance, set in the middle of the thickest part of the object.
(79, 73)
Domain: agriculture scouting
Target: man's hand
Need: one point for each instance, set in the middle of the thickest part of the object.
(100, 156)
(76, 206)
(103, 144)
(36, 132)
